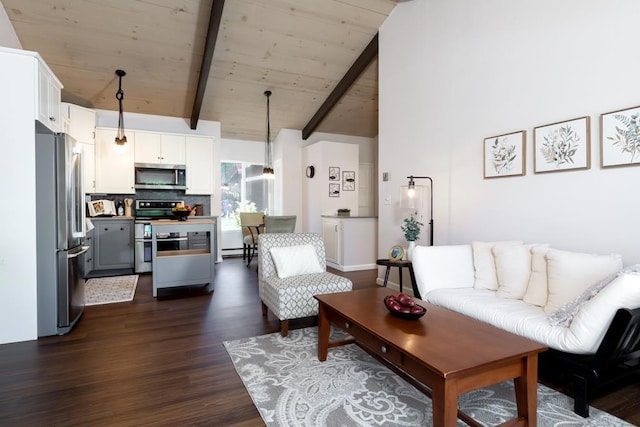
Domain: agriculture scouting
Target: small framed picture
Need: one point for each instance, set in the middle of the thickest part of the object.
(504, 155)
(562, 146)
(334, 190)
(396, 253)
(620, 138)
(348, 181)
(334, 173)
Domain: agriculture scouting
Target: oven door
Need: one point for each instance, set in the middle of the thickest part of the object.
(142, 256)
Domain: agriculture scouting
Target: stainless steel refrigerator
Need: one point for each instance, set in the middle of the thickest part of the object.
(60, 222)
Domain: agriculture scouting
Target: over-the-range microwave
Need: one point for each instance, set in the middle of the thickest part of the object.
(156, 176)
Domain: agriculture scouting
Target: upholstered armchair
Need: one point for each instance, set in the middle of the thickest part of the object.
(291, 270)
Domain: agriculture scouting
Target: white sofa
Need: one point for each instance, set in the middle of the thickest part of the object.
(565, 300)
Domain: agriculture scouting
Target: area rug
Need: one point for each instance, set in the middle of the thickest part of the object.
(108, 290)
(290, 387)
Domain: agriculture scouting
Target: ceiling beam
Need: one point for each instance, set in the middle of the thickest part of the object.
(207, 58)
(365, 58)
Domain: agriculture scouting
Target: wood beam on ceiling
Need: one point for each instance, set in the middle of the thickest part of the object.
(365, 58)
(207, 58)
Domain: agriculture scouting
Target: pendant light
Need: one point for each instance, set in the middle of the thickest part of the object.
(267, 169)
(121, 138)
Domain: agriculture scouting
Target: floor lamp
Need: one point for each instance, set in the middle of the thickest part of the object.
(411, 197)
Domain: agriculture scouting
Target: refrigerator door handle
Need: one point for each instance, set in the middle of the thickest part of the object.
(84, 249)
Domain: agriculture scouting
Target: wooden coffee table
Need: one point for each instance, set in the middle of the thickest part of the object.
(449, 353)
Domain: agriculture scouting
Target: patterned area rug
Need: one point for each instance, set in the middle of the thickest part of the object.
(290, 387)
(107, 290)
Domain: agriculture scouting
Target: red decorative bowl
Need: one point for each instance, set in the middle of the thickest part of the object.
(407, 316)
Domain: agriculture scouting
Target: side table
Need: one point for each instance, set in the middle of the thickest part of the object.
(400, 264)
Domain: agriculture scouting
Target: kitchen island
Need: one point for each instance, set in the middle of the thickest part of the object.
(191, 261)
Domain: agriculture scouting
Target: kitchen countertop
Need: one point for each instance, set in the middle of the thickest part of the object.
(348, 217)
(191, 220)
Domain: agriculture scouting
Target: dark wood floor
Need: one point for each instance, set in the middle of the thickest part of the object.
(161, 361)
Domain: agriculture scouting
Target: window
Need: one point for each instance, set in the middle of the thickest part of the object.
(243, 190)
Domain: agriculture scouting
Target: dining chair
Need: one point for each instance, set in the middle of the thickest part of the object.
(252, 224)
(279, 223)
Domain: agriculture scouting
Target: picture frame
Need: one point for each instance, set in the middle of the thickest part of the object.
(620, 138)
(504, 155)
(396, 253)
(562, 146)
(334, 190)
(348, 181)
(334, 173)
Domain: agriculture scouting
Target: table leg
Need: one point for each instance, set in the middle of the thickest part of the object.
(400, 277)
(324, 328)
(386, 276)
(414, 284)
(526, 388)
(444, 400)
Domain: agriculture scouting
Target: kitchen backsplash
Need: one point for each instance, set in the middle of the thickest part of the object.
(191, 200)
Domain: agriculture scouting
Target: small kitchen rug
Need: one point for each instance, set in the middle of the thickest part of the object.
(107, 290)
(290, 387)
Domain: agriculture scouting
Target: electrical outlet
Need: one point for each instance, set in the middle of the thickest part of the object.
(385, 176)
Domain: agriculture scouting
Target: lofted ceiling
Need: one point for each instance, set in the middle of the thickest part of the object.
(298, 49)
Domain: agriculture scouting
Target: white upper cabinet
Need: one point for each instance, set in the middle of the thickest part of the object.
(48, 99)
(80, 122)
(199, 165)
(159, 148)
(114, 166)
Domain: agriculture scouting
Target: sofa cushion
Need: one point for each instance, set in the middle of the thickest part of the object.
(537, 288)
(571, 273)
(513, 268)
(484, 264)
(449, 266)
(295, 260)
(583, 336)
(565, 314)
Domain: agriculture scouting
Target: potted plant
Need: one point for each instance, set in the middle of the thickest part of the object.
(411, 229)
(344, 212)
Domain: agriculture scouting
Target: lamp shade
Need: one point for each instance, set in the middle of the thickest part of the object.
(414, 198)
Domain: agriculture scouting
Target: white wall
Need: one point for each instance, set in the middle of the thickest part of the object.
(317, 202)
(18, 251)
(453, 73)
(8, 37)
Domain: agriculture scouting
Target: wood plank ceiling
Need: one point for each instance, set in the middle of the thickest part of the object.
(299, 49)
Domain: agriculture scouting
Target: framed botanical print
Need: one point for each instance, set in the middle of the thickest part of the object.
(620, 138)
(334, 173)
(334, 190)
(504, 155)
(348, 181)
(562, 146)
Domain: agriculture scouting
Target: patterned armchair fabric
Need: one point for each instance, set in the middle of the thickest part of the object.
(292, 297)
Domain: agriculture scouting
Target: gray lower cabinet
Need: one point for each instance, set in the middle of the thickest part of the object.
(87, 260)
(113, 240)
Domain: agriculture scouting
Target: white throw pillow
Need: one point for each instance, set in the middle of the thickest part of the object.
(513, 268)
(449, 266)
(537, 289)
(484, 264)
(571, 273)
(295, 260)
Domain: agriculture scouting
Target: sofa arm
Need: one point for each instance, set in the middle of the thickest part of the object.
(449, 266)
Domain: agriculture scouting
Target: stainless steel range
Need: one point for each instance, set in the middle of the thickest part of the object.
(147, 211)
